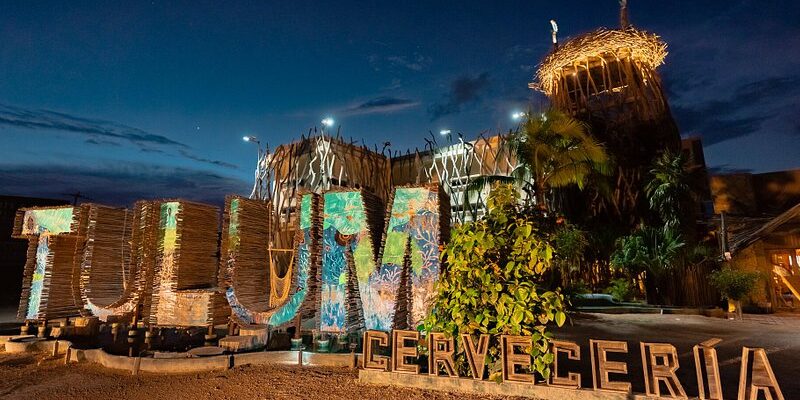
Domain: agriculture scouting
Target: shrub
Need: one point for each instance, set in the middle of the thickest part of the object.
(493, 283)
(734, 284)
(620, 289)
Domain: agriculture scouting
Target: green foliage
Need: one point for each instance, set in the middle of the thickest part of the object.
(647, 249)
(734, 284)
(495, 267)
(620, 289)
(553, 150)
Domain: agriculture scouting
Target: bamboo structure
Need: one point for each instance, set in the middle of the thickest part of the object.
(320, 163)
(607, 78)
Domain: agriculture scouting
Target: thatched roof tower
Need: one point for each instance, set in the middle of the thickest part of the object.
(608, 79)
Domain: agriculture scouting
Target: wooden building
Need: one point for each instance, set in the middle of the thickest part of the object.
(760, 231)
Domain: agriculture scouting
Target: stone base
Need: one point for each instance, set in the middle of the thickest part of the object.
(468, 385)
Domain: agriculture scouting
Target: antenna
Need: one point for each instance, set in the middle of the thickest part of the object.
(624, 22)
(554, 31)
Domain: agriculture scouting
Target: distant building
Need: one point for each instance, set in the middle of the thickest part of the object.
(13, 251)
(759, 230)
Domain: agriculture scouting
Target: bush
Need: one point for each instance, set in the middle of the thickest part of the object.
(620, 290)
(493, 283)
(734, 284)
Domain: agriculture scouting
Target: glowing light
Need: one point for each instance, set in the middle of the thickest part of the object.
(516, 116)
(444, 132)
(639, 46)
(328, 121)
(250, 138)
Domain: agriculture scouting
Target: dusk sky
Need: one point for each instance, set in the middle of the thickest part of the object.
(127, 100)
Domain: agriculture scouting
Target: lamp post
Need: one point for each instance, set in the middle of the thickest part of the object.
(258, 188)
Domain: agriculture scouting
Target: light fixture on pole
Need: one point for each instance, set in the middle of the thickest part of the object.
(516, 116)
(327, 122)
(444, 132)
(257, 188)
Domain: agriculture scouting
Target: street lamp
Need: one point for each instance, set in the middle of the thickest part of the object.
(444, 132)
(258, 186)
(327, 122)
(518, 115)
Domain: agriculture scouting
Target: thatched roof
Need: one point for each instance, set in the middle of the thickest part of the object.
(752, 232)
(640, 45)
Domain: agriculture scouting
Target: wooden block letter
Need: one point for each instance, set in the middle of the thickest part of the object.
(762, 379)
(372, 361)
(476, 355)
(573, 352)
(659, 362)
(440, 354)
(708, 370)
(401, 350)
(512, 359)
(602, 367)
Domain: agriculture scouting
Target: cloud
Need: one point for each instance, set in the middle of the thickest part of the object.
(206, 160)
(417, 62)
(101, 142)
(92, 128)
(463, 90)
(98, 132)
(743, 113)
(119, 184)
(382, 104)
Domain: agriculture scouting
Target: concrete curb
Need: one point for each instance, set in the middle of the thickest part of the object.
(176, 365)
(443, 383)
(203, 364)
(53, 347)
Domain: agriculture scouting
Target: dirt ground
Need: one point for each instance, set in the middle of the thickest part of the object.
(24, 377)
(34, 376)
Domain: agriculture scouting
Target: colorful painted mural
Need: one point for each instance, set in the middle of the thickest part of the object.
(414, 215)
(345, 234)
(39, 225)
(168, 227)
(50, 220)
(287, 312)
(37, 280)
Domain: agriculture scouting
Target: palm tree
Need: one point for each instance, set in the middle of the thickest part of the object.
(668, 191)
(552, 150)
(653, 251)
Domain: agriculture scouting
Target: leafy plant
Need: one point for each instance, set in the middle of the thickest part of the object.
(493, 282)
(653, 251)
(620, 289)
(553, 150)
(668, 191)
(570, 244)
(734, 284)
(648, 249)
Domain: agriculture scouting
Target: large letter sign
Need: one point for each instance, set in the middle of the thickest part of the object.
(47, 279)
(392, 289)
